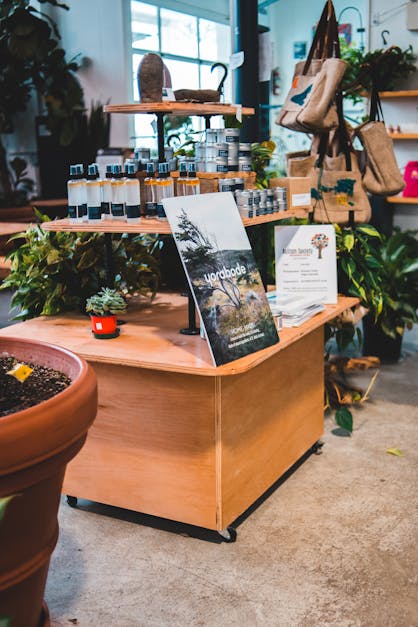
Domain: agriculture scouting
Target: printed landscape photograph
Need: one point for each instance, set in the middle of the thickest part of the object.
(222, 273)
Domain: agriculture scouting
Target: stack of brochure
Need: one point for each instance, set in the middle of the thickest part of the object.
(293, 309)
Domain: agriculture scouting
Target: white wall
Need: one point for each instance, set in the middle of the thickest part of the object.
(96, 30)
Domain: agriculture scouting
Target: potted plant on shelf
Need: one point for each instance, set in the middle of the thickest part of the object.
(36, 444)
(104, 308)
(380, 68)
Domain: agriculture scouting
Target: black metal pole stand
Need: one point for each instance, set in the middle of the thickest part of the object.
(192, 329)
(110, 274)
(160, 136)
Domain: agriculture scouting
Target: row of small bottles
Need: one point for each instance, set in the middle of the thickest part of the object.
(117, 196)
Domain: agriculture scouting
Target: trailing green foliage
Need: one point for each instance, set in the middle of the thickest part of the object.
(106, 301)
(54, 272)
(382, 67)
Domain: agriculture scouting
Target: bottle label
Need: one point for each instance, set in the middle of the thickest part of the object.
(132, 211)
(105, 207)
(117, 210)
(151, 209)
(160, 211)
(94, 213)
(75, 211)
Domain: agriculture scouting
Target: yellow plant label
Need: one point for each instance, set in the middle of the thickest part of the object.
(394, 451)
(20, 372)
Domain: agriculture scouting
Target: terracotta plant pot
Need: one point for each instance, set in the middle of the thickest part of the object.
(36, 444)
(104, 327)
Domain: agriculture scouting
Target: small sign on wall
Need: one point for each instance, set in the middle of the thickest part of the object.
(299, 49)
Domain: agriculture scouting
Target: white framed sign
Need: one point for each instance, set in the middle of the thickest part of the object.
(306, 261)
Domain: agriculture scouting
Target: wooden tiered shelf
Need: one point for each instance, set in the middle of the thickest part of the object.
(406, 93)
(152, 225)
(402, 200)
(180, 108)
(403, 135)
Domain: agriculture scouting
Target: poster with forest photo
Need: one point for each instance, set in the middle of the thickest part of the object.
(222, 274)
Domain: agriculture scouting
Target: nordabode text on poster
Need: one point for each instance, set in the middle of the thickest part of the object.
(222, 274)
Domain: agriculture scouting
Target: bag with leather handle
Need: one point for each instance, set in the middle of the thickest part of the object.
(309, 106)
(337, 191)
(381, 176)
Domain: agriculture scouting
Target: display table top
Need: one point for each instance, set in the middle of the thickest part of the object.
(151, 339)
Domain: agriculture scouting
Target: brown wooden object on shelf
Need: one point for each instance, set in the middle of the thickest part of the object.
(178, 438)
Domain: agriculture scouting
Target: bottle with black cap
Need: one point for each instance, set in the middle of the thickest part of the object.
(117, 206)
(83, 192)
(165, 189)
(106, 192)
(94, 201)
(132, 194)
(192, 184)
(74, 193)
(150, 192)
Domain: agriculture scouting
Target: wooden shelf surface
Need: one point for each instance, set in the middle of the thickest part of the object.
(403, 135)
(402, 200)
(152, 225)
(405, 93)
(180, 108)
(150, 338)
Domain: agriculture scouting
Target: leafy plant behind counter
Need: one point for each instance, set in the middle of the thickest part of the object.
(53, 272)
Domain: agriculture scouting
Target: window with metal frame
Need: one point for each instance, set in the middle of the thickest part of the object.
(188, 44)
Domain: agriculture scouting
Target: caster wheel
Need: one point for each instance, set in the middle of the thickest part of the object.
(317, 448)
(72, 501)
(228, 535)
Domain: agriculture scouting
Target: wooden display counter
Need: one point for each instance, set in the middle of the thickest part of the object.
(176, 437)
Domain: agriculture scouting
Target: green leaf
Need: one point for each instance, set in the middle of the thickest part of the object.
(412, 267)
(369, 230)
(344, 419)
(5, 621)
(348, 240)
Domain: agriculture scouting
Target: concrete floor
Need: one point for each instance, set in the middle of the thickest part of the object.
(335, 543)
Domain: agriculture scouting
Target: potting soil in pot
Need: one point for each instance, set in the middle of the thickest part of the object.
(22, 390)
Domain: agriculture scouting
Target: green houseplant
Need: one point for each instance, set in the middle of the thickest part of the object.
(383, 273)
(380, 68)
(53, 272)
(398, 258)
(33, 62)
(104, 308)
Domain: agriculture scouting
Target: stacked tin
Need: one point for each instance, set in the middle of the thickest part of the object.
(223, 152)
(259, 202)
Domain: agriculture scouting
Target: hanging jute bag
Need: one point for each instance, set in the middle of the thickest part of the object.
(381, 176)
(337, 191)
(309, 105)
